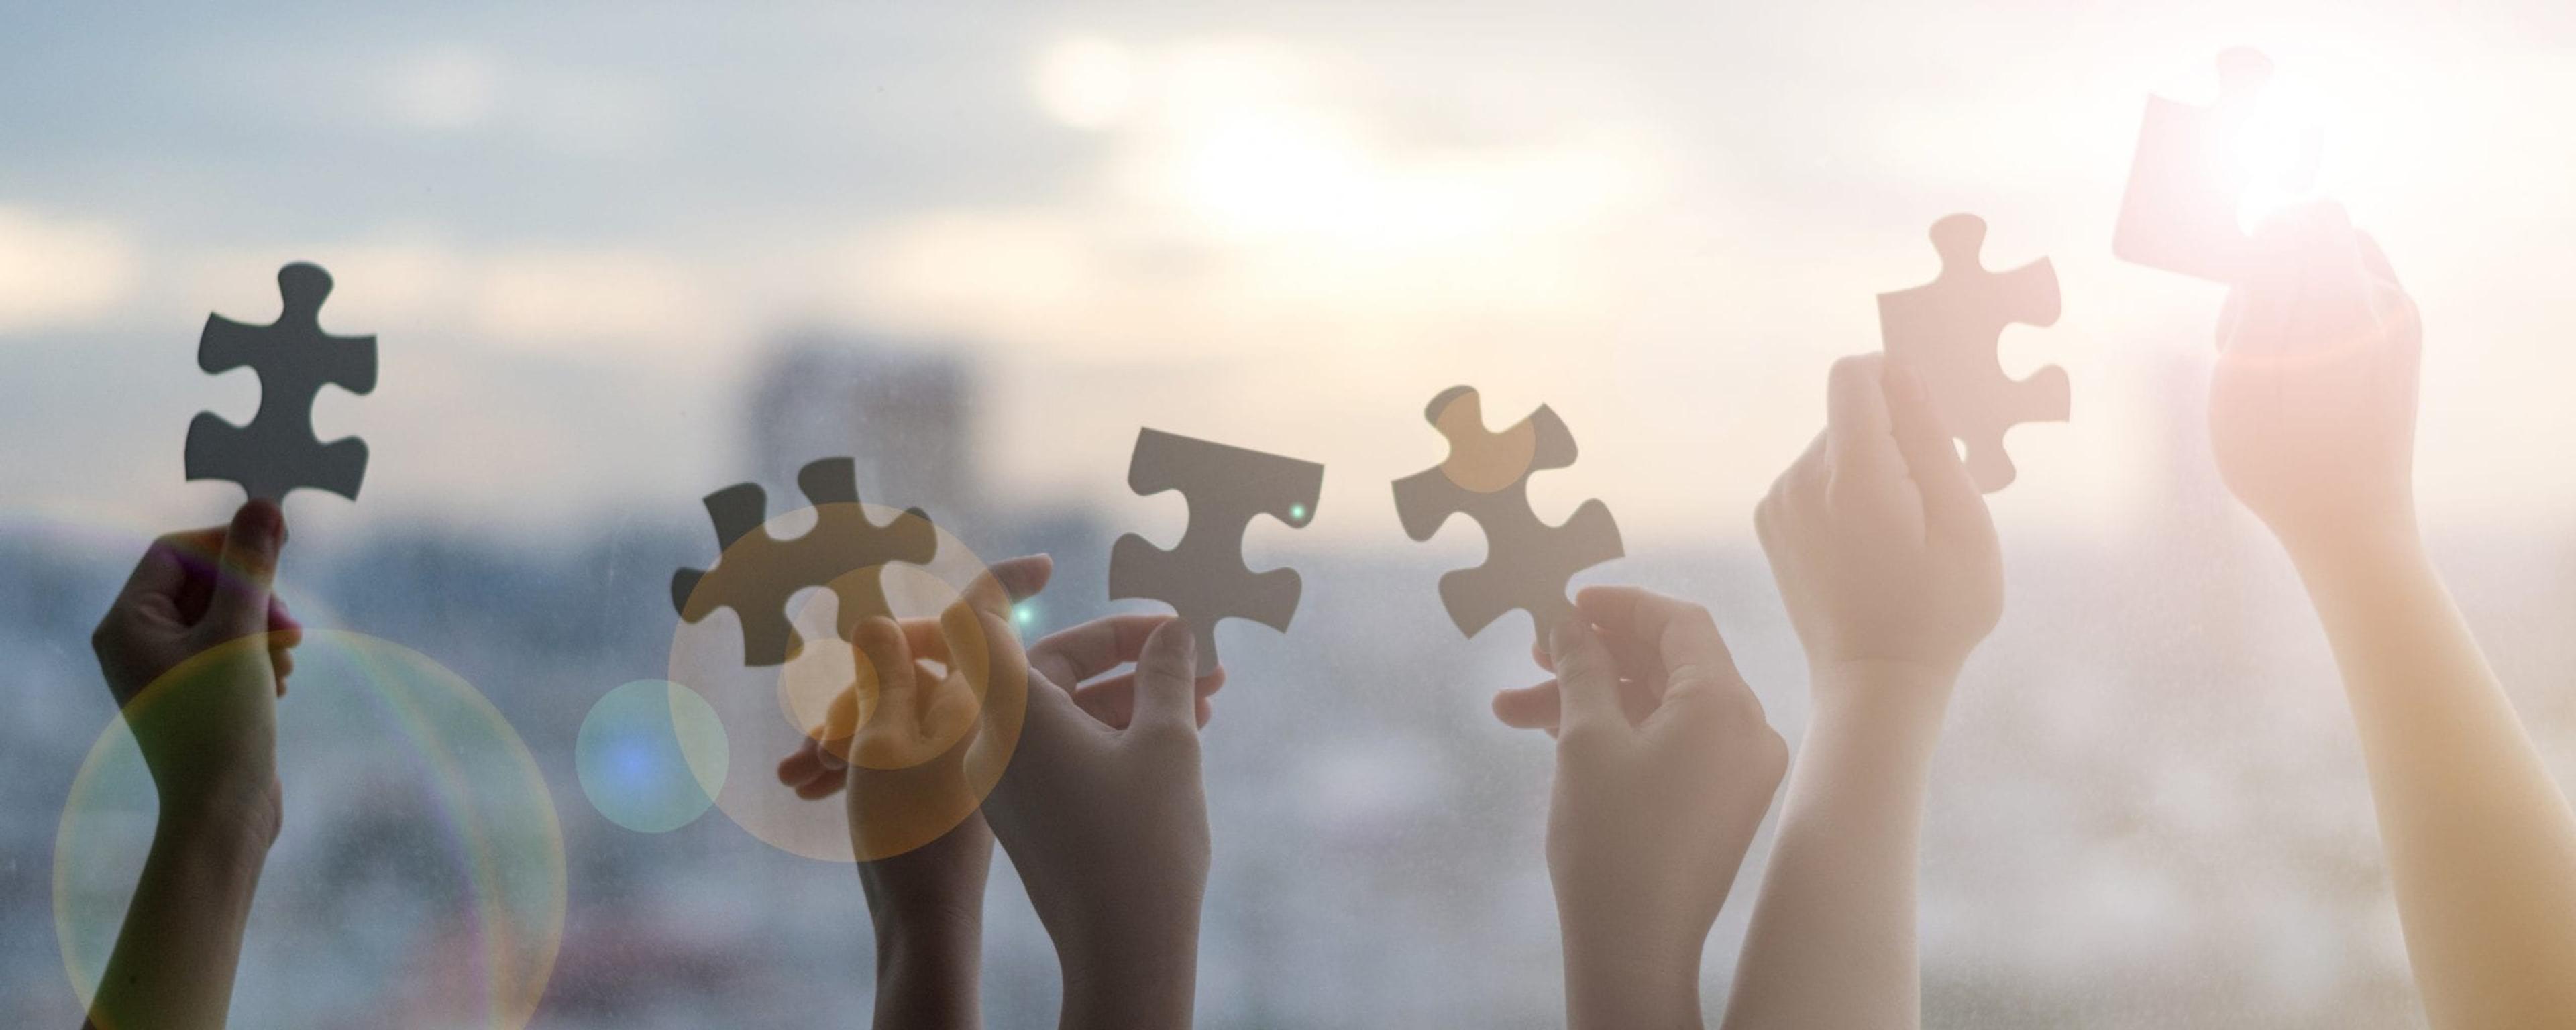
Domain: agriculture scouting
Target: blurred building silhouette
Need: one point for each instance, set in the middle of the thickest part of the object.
(903, 408)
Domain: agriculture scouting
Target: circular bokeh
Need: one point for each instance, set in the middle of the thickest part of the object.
(419, 878)
(917, 780)
(651, 756)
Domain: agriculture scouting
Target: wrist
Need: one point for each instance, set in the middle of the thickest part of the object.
(1148, 986)
(2378, 554)
(1910, 692)
(927, 940)
(2364, 542)
(221, 820)
(1616, 978)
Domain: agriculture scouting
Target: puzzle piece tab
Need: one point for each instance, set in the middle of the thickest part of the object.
(277, 451)
(1486, 477)
(1203, 577)
(756, 573)
(2189, 178)
(1946, 331)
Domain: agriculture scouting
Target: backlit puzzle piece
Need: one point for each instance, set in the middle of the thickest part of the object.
(277, 451)
(2188, 180)
(757, 573)
(1204, 577)
(1486, 477)
(1946, 331)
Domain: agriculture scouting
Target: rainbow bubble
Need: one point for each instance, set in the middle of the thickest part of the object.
(651, 756)
(419, 877)
(912, 783)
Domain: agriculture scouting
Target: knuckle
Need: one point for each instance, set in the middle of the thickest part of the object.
(1167, 739)
(1697, 618)
(1768, 753)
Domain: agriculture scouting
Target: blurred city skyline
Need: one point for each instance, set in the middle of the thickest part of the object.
(578, 232)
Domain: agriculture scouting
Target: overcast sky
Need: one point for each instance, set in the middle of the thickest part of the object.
(573, 227)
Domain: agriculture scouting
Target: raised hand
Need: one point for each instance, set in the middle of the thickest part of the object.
(914, 768)
(2312, 404)
(2312, 415)
(1105, 818)
(1887, 559)
(1879, 541)
(196, 652)
(1664, 770)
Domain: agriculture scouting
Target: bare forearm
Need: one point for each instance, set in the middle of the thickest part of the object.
(1146, 983)
(2481, 844)
(175, 957)
(929, 972)
(1832, 941)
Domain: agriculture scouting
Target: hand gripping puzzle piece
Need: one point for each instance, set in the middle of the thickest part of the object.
(756, 573)
(1486, 477)
(1946, 331)
(1204, 577)
(2190, 175)
(277, 451)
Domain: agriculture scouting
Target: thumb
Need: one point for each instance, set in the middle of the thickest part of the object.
(1952, 504)
(1587, 677)
(1166, 689)
(245, 570)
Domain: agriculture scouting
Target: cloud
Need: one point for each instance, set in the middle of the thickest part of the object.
(588, 295)
(58, 273)
(444, 89)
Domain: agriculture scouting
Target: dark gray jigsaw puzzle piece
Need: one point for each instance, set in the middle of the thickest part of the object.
(1486, 477)
(2180, 210)
(1204, 577)
(294, 358)
(756, 574)
(1947, 330)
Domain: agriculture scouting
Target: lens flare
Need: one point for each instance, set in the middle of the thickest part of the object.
(420, 854)
(917, 781)
(651, 756)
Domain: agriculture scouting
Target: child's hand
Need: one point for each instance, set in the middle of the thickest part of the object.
(1881, 544)
(915, 769)
(1885, 554)
(1653, 810)
(2312, 405)
(196, 652)
(1105, 818)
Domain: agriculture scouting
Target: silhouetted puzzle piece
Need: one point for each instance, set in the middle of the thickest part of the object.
(277, 451)
(2189, 177)
(1527, 562)
(1203, 577)
(756, 573)
(1946, 331)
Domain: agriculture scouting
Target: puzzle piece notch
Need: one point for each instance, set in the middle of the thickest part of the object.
(756, 573)
(277, 451)
(1947, 331)
(2187, 182)
(1527, 562)
(1203, 577)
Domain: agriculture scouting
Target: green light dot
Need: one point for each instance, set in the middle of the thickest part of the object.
(1024, 614)
(1297, 513)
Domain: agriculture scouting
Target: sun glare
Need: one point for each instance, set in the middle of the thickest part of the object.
(1086, 82)
(2278, 148)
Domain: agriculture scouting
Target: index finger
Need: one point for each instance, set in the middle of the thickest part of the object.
(1859, 437)
(165, 564)
(1069, 656)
